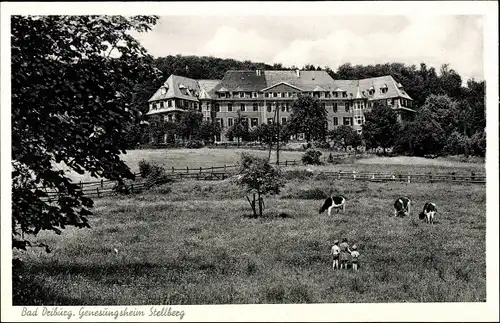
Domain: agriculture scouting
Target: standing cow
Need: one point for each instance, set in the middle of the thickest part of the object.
(402, 206)
(333, 202)
(428, 213)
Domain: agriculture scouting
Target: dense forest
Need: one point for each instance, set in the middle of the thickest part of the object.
(420, 82)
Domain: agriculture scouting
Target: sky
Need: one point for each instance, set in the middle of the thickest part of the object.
(326, 40)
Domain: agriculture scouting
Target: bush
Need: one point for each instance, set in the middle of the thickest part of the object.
(478, 144)
(151, 171)
(456, 144)
(194, 144)
(311, 157)
(330, 158)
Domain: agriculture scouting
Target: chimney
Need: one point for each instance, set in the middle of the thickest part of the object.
(297, 72)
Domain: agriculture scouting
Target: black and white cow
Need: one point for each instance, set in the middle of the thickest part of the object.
(402, 206)
(333, 202)
(428, 213)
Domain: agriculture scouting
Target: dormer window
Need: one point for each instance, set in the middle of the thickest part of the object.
(383, 89)
(344, 94)
(254, 94)
(163, 90)
(242, 94)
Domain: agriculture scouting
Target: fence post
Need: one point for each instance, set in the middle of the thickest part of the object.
(354, 175)
(225, 170)
(472, 176)
(81, 185)
(187, 169)
(286, 162)
(339, 174)
(102, 183)
(409, 180)
(200, 169)
(172, 169)
(132, 188)
(430, 177)
(98, 192)
(180, 175)
(212, 169)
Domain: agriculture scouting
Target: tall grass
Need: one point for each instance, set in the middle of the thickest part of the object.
(191, 243)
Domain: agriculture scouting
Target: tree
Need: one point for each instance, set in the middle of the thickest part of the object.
(381, 127)
(72, 79)
(239, 129)
(308, 117)
(259, 177)
(346, 136)
(189, 123)
(208, 131)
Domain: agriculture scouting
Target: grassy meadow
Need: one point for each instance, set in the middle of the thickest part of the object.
(193, 243)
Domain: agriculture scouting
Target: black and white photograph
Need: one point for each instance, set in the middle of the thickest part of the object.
(161, 161)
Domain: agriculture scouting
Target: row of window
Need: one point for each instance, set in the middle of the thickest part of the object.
(285, 107)
(253, 121)
(173, 103)
(316, 94)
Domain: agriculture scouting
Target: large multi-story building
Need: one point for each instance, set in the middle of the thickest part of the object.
(257, 94)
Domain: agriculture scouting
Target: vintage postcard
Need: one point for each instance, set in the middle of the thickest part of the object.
(250, 161)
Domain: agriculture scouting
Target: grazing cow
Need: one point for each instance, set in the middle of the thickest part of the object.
(333, 202)
(428, 213)
(402, 206)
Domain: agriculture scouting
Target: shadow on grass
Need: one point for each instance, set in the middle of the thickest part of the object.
(28, 286)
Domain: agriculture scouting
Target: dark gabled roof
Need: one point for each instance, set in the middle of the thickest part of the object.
(249, 81)
(242, 81)
(307, 80)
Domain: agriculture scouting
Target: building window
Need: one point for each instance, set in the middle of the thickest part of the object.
(389, 102)
(294, 94)
(230, 107)
(229, 122)
(244, 121)
(248, 94)
(217, 107)
(287, 107)
(316, 95)
(269, 120)
(283, 120)
(347, 121)
(344, 94)
(242, 94)
(358, 120)
(327, 94)
(335, 107)
(269, 109)
(335, 94)
(161, 105)
(335, 121)
(283, 107)
(254, 122)
(255, 106)
(266, 95)
(254, 95)
(242, 107)
(170, 118)
(323, 105)
(275, 95)
(347, 107)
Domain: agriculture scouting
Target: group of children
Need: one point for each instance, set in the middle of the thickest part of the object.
(342, 252)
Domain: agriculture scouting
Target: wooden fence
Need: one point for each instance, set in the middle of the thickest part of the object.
(104, 188)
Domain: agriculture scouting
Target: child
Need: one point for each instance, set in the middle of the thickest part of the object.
(335, 253)
(344, 253)
(355, 256)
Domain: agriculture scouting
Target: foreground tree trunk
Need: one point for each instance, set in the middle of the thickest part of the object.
(252, 205)
(260, 204)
